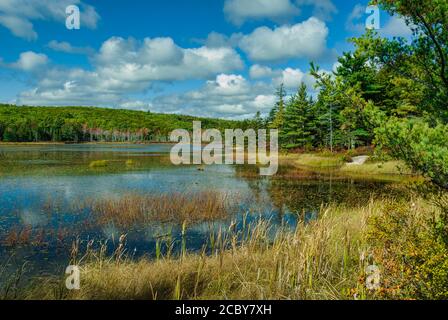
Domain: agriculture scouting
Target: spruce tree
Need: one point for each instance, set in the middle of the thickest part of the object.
(298, 121)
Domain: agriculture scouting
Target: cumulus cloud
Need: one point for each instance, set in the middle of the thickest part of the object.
(18, 15)
(233, 96)
(260, 72)
(302, 40)
(227, 96)
(125, 66)
(160, 59)
(292, 78)
(68, 48)
(30, 61)
(238, 11)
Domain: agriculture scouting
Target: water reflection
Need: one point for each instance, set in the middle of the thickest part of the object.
(45, 192)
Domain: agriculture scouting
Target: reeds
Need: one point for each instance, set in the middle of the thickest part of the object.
(187, 207)
(320, 260)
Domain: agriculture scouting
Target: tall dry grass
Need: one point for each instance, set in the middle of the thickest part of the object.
(187, 207)
(322, 260)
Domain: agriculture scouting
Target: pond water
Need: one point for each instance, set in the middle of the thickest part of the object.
(43, 189)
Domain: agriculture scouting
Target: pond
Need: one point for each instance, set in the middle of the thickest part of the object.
(51, 195)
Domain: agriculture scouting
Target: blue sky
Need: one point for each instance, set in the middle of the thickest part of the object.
(219, 58)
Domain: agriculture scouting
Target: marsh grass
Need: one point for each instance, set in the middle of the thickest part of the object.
(324, 259)
(378, 168)
(319, 260)
(98, 164)
(320, 160)
(187, 207)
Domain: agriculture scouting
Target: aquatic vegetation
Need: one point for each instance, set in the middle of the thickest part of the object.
(320, 260)
(98, 164)
(134, 209)
(324, 259)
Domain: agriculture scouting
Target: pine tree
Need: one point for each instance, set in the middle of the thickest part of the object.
(298, 124)
(278, 112)
(258, 121)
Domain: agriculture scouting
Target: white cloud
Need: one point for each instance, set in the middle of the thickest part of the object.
(323, 9)
(228, 96)
(292, 78)
(396, 27)
(20, 27)
(30, 61)
(353, 24)
(302, 40)
(160, 59)
(68, 48)
(238, 11)
(18, 15)
(124, 67)
(260, 72)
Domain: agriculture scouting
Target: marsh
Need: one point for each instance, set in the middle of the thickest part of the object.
(54, 195)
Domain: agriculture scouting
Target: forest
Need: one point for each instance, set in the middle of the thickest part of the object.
(88, 124)
(392, 93)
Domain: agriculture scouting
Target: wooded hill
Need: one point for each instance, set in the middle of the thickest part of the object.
(83, 124)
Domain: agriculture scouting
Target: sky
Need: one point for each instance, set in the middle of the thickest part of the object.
(212, 58)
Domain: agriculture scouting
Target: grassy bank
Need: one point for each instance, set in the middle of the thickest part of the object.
(338, 164)
(325, 259)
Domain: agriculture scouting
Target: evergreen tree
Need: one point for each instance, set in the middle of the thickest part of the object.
(298, 121)
(278, 112)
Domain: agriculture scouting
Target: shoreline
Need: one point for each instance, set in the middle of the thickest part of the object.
(78, 143)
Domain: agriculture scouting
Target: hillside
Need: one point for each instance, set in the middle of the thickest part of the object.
(80, 124)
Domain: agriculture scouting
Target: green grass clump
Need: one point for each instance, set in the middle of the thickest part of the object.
(389, 167)
(99, 164)
(315, 160)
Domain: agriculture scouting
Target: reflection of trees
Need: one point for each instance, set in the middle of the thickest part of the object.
(309, 196)
(306, 196)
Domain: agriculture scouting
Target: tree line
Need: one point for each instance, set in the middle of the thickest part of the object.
(88, 124)
(390, 92)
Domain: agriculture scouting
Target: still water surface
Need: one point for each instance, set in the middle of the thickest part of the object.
(42, 189)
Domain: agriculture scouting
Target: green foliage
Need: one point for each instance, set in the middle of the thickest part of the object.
(277, 116)
(412, 255)
(422, 147)
(298, 120)
(80, 124)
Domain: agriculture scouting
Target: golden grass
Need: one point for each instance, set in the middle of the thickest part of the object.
(325, 259)
(130, 210)
(321, 260)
